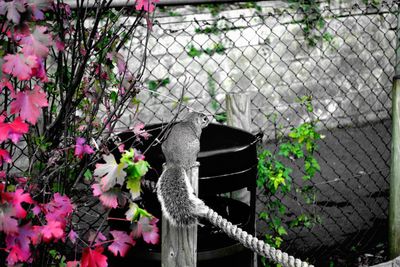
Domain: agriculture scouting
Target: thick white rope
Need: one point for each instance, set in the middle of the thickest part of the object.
(247, 240)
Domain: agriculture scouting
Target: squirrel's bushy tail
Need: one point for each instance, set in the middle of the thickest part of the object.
(178, 202)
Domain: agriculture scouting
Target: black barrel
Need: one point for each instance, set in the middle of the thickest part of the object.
(228, 162)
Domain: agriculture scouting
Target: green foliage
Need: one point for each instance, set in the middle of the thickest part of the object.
(214, 9)
(220, 117)
(134, 172)
(217, 48)
(312, 22)
(374, 3)
(154, 85)
(193, 51)
(250, 5)
(275, 178)
(273, 175)
(215, 105)
(169, 10)
(219, 26)
(213, 29)
(58, 259)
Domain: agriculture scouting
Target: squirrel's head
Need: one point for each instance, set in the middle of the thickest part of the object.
(198, 119)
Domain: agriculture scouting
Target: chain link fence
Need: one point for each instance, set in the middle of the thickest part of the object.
(343, 57)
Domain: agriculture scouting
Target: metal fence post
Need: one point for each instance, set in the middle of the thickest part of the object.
(394, 205)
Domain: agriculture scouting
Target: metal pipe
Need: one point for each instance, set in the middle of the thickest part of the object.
(394, 198)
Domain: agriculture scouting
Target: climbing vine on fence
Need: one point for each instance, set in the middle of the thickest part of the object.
(274, 178)
(312, 21)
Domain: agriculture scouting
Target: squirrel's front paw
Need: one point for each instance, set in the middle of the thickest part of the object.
(195, 164)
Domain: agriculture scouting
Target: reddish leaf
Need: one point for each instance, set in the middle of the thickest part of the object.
(12, 130)
(8, 224)
(72, 236)
(121, 63)
(139, 131)
(81, 148)
(122, 243)
(108, 199)
(4, 83)
(16, 129)
(96, 190)
(147, 5)
(60, 46)
(37, 43)
(4, 156)
(12, 9)
(19, 66)
(99, 238)
(28, 104)
(36, 210)
(38, 6)
(18, 244)
(58, 209)
(138, 155)
(17, 198)
(17, 255)
(52, 230)
(20, 31)
(73, 264)
(93, 258)
(147, 228)
(150, 231)
(40, 70)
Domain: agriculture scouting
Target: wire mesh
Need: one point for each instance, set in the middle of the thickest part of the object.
(346, 65)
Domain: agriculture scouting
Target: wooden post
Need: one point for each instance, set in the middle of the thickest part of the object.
(238, 115)
(394, 205)
(179, 244)
(238, 111)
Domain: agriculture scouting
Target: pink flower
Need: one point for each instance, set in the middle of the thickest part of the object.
(81, 148)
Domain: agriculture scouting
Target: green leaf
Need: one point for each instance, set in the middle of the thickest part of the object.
(282, 209)
(221, 117)
(133, 184)
(134, 212)
(138, 169)
(114, 97)
(193, 52)
(281, 230)
(278, 242)
(128, 156)
(153, 85)
(53, 253)
(263, 215)
(88, 175)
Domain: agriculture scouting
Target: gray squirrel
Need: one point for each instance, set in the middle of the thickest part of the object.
(178, 201)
